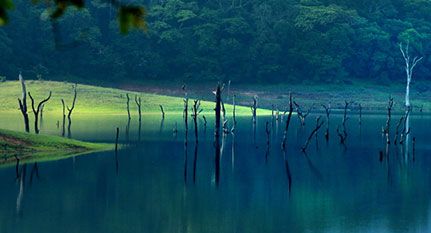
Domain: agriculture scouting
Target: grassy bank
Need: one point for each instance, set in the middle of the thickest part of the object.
(99, 100)
(371, 95)
(30, 147)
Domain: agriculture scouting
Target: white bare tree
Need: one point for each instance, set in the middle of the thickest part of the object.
(410, 65)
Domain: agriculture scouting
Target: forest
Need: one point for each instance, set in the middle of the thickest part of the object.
(246, 41)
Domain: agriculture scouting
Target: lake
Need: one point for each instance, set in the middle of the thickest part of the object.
(157, 184)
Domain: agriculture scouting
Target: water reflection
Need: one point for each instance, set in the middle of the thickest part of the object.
(335, 190)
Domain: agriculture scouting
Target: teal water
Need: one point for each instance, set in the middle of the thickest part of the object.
(156, 184)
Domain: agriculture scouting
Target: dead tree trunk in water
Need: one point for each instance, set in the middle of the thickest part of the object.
(343, 132)
(41, 113)
(289, 116)
(205, 121)
(116, 139)
(128, 106)
(36, 111)
(301, 114)
(64, 118)
(388, 121)
(186, 113)
(397, 132)
(328, 112)
(406, 128)
(163, 111)
(70, 110)
(195, 114)
(217, 132)
(138, 102)
(234, 110)
(254, 108)
(23, 104)
(318, 126)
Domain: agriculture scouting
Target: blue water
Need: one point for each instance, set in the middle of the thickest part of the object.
(156, 184)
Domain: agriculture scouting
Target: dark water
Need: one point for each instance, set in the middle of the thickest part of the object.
(156, 185)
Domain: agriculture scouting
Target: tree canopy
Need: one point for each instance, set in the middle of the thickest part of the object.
(240, 40)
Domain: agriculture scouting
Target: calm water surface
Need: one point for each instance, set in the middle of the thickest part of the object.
(157, 184)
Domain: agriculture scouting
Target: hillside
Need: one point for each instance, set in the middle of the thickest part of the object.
(99, 100)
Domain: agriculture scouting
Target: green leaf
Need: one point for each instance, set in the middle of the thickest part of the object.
(131, 17)
(4, 6)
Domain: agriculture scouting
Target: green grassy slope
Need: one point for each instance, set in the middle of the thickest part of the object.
(31, 147)
(98, 100)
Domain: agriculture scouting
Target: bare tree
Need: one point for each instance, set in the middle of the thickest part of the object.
(23, 103)
(128, 106)
(254, 108)
(342, 133)
(234, 110)
(163, 111)
(409, 67)
(138, 102)
(196, 111)
(397, 132)
(70, 110)
(410, 64)
(36, 111)
(217, 132)
(289, 116)
(388, 121)
(318, 126)
(64, 117)
(301, 114)
(328, 112)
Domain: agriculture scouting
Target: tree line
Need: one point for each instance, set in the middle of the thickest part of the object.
(329, 41)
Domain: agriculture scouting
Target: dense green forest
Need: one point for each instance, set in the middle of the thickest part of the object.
(257, 41)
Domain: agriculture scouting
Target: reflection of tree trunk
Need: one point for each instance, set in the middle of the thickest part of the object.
(21, 189)
(139, 131)
(116, 150)
(195, 163)
(162, 124)
(233, 151)
(185, 157)
(34, 171)
(407, 138)
(288, 173)
(128, 130)
(268, 135)
(186, 134)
